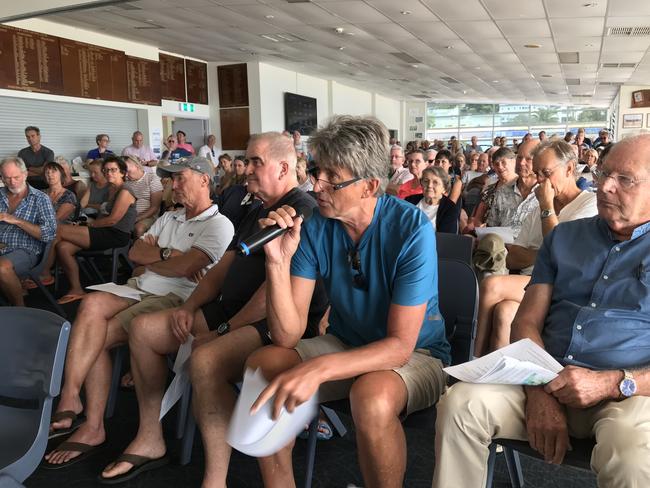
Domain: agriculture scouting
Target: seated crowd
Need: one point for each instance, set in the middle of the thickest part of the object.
(346, 303)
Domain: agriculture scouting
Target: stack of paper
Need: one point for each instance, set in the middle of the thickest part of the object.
(119, 290)
(259, 435)
(521, 363)
(181, 380)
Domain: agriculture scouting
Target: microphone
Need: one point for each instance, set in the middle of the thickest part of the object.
(257, 240)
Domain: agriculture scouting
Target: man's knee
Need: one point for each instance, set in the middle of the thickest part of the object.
(459, 406)
(95, 305)
(6, 267)
(620, 458)
(272, 360)
(376, 403)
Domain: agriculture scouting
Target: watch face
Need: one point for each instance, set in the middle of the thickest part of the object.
(628, 387)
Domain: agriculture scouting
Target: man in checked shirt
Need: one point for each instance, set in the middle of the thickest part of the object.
(27, 222)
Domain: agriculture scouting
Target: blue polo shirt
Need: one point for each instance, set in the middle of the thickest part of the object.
(599, 315)
(399, 262)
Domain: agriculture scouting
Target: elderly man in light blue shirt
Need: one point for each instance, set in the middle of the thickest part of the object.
(588, 305)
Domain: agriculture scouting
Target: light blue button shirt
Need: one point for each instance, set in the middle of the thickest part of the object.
(599, 316)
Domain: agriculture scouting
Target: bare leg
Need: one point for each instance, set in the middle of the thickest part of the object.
(72, 239)
(377, 399)
(97, 385)
(495, 289)
(214, 367)
(150, 340)
(277, 470)
(47, 270)
(10, 284)
(502, 318)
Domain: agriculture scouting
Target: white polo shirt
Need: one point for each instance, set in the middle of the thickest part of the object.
(531, 237)
(210, 232)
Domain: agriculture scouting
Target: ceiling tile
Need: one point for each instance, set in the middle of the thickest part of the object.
(506, 9)
(570, 44)
(465, 10)
(620, 44)
(476, 29)
(355, 11)
(629, 7)
(575, 9)
(622, 57)
(488, 46)
(577, 27)
(524, 28)
(620, 21)
(416, 11)
(429, 30)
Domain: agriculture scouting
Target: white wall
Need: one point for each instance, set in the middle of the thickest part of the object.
(350, 101)
(271, 82)
(624, 107)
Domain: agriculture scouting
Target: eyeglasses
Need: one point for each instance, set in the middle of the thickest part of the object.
(110, 170)
(623, 181)
(547, 172)
(358, 280)
(328, 186)
(431, 161)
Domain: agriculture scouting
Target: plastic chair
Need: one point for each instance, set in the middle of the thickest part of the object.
(453, 246)
(32, 354)
(113, 253)
(35, 275)
(578, 457)
(458, 302)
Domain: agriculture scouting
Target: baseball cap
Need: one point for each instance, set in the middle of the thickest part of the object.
(196, 163)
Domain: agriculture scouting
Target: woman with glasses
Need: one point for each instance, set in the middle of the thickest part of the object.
(416, 161)
(439, 209)
(97, 192)
(101, 150)
(112, 229)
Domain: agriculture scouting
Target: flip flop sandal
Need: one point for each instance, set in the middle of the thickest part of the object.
(86, 451)
(77, 421)
(30, 284)
(141, 464)
(69, 298)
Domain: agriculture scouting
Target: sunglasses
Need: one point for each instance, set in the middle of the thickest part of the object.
(358, 280)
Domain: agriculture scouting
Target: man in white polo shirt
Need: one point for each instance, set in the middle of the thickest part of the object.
(178, 248)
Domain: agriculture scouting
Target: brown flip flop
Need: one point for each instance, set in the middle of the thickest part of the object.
(77, 420)
(140, 464)
(86, 451)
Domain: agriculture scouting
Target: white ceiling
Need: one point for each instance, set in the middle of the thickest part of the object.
(479, 43)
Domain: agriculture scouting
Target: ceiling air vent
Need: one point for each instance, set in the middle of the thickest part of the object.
(628, 31)
(582, 96)
(449, 79)
(610, 83)
(569, 58)
(420, 96)
(618, 65)
(128, 6)
(573, 81)
(400, 80)
(407, 58)
(282, 37)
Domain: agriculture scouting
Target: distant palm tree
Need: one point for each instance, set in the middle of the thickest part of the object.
(545, 115)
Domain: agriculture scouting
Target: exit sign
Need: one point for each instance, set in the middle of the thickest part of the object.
(186, 107)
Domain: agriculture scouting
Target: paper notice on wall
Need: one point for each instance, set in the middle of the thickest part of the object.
(156, 141)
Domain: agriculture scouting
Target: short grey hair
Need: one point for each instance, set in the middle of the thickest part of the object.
(561, 149)
(440, 173)
(397, 147)
(359, 144)
(279, 148)
(15, 160)
(62, 161)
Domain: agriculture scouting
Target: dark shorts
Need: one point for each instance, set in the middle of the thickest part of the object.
(215, 315)
(106, 238)
(21, 260)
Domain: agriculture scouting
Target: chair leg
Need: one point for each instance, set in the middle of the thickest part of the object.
(183, 411)
(114, 266)
(335, 420)
(514, 467)
(118, 359)
(187, 442)
(490, 465)
(311, 451)
(49, 297)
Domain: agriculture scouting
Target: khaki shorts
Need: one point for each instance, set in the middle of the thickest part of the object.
(149, 303)
(423, 375)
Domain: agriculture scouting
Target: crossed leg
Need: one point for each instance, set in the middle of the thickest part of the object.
(494, 291)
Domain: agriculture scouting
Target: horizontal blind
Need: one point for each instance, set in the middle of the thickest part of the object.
(69, 129)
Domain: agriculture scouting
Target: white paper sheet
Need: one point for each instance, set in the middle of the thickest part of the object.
(259, 435)
(506, 233)
(520, 363)
(119, 290)
(181, 380)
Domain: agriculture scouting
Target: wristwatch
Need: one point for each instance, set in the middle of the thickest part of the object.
(165, 253)
(223, 328)
(627, 386)
(545, 214)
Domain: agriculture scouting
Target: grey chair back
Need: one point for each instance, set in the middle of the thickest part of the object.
(32, 353)
(454, 246)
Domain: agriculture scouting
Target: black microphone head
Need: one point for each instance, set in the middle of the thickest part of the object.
(306, 213)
